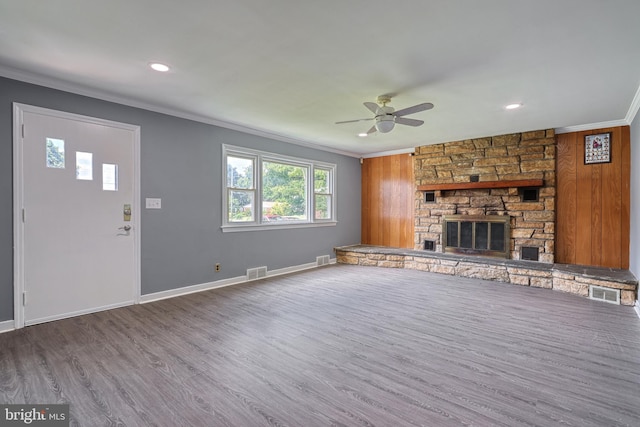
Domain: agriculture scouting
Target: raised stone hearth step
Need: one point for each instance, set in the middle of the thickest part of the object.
(574, 279)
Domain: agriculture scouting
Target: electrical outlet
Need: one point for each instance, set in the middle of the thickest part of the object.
(217, 267)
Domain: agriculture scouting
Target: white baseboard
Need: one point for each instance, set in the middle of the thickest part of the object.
(292, 269)
(171, 293)
(7, 326)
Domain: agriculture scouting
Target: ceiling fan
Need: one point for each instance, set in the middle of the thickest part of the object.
(387, 117)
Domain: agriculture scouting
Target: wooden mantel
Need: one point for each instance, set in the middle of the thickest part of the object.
(483, 184)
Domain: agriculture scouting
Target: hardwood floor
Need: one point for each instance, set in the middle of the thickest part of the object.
(339, 345)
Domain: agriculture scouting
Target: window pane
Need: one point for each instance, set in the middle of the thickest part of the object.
(109, 177)
(323, 206)
(321, 180)
(55, 153)
(239, 172)
(241, 206)
(84, 166)
(284, 195)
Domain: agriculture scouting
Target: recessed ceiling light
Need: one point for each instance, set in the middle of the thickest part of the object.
(513, 106)
(362, 135)
(159, 67)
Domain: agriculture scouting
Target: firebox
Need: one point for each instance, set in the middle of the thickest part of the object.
(486, 235)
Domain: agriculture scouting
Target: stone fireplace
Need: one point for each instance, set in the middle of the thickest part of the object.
(466, 188)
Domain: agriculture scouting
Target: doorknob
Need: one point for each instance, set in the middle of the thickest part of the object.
(126, 228)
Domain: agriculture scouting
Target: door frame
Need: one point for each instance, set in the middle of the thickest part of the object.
(18, 198)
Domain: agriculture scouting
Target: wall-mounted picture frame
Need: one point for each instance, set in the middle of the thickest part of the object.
(597, 148)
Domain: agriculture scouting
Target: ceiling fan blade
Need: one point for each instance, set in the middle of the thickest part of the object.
(409, 122)
(414, 109)
(354, 121)
(372, 106)
(372, 130)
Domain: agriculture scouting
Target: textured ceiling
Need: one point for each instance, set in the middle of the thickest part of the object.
(290, 69)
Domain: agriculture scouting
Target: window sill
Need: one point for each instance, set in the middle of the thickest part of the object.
(232, 228)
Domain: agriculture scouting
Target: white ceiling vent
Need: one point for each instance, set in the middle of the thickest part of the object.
(256, 273)
(604, 294)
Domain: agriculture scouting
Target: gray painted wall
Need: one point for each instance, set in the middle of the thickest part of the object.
(634, 252)
(181, 163)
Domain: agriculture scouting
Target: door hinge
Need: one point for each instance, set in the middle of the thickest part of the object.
(23, 215)
(24, 298)
(23, 130)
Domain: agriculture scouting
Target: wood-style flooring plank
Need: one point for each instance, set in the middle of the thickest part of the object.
(339, 345)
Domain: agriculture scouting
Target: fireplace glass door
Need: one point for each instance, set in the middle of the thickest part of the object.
(481, 235)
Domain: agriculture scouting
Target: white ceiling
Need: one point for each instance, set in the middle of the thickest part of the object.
(290, 69)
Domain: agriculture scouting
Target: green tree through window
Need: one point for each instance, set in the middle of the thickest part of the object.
(284, 191)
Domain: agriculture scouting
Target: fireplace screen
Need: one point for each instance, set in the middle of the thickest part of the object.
(480, 235)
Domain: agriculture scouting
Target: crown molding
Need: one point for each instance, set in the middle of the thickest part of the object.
(389, 153)
(628, 119)
(633, 108)
(58, 84)
(591, 126)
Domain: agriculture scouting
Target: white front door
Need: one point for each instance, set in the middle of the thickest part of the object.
(77, 210)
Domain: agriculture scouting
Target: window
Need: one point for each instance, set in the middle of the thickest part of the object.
(241, 188)
(263, 190)
(323, 199)
(84, 166)
(55, 153)
(109, 177)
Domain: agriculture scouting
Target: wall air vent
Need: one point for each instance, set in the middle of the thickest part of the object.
(429, 196)
(605, 294)
(256, 273)
(322, 260)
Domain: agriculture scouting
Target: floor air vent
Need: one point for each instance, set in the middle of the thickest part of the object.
(322, 260)
(256, 273)
(604, 294)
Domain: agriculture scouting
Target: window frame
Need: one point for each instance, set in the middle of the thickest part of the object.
(259, 157)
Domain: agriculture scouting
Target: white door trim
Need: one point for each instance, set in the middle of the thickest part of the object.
(18, 198)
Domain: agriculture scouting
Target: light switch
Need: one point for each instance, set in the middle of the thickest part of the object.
(153, 203)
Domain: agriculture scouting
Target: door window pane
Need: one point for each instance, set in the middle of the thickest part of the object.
(55, 153)
(84, 166)
(109, 177)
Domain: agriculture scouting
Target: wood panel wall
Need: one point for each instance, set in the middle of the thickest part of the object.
(593, 202)
(387, 201)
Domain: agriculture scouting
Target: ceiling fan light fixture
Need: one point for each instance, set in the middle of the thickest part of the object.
(385, 124)
(363, 134)
(513, 106)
